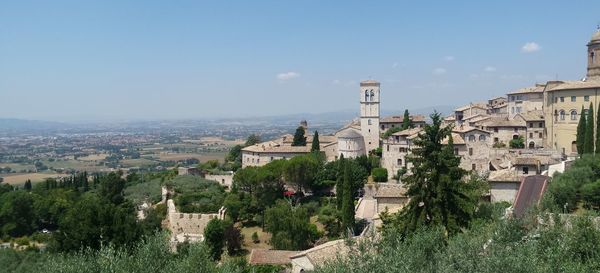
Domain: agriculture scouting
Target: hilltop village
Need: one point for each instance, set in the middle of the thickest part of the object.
(529, 131)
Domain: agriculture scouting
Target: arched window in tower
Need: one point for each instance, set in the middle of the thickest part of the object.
(562, 114)
(573, 115)
(366, 95)
(369, 121)
(372, 95)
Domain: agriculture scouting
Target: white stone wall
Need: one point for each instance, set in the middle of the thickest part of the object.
(225, 180)
(350, 147)
(527, 102)
(262, 158)
(504, 191)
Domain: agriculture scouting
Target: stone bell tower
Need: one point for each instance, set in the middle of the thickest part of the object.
(593, 69)
(369, 113)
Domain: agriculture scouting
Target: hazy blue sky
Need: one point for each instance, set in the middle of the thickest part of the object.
(70, 60)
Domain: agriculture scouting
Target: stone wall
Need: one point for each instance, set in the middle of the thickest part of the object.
(189, 223)
(225, 180)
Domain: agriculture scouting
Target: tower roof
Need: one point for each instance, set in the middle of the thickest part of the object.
(369, 82)
(596, 36)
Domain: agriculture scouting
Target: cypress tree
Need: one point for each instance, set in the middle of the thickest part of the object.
(316, 145)
(598, 131)
(348, 201)
(339, 184)
(27, 185)
(588, 146)
(299, 137)
(406, 122)
(581, 132)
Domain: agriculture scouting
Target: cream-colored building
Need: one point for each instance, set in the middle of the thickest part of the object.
(503, 130)
(417, 121)
(525, 100)
(536, 129)
(396, 148)
(563, 101)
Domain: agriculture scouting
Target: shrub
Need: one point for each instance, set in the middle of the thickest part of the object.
(255, 238)
(499, 144)
(380, 175)
(518, 143)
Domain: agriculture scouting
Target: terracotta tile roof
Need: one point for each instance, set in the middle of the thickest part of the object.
(274, 257)
(504, 175)
(457, 139)
(387, 190)
(504, 122)
(530, 193)
(567, 85)
(538, 88)
(329, 251)
(273, 147)
(535, 115)
(481, 105)
(408, 132)
(399, 119)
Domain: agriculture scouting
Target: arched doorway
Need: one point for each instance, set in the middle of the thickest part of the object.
(531, 145)
(573, 146)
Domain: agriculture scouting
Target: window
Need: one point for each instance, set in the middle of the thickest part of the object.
(456, 151)
(541, 135)
(271, 158)
(530, 135)
(531, 125)
(555, 99)
(399, 162)
(388, 147)
(516, 130)
(470, 151)
(369, 121)
(541, 125)
(562, 114)
(366, 95)
(473, 167)
(481, 137)
(525, 170)
(496, 140)
(383, 127)
(586, 98)
(573, 115)
(573, 98)
(495, 129)
(471, 138)
(372, 95)
(562, 99)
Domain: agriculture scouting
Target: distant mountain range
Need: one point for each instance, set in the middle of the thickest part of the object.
(11, 125)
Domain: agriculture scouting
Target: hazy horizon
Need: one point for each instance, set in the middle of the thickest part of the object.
(155, 60)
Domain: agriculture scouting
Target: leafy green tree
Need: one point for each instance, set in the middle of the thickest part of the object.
(580, 139)
(111, 187)
(380, 175)
(17, 214)
(301, 171)
(347, 201)
(316, 145)
(251, 140)
(299, 137)
(290, 227)
(438, 196)
(92, 222)
(588, 146)
(233, 239)
(389, 132)
(598, 131)
(406, 121)
(213, 237)
(517, 143)
(27, 185)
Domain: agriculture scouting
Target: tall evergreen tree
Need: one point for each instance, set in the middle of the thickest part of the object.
(339, 184)
(406, 122)
(27, 185)
(316, 145)
(299, 137)
(581, 132)
(588, 146)
(598, 131)
(347, 201)
(438, 196)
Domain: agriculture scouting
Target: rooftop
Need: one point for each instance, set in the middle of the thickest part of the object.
(504, 122)
(538, 88)
(274, 257)
(273, 147)
(399, 119)
(535, 115)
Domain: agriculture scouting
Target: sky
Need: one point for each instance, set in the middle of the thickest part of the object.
(103, 60)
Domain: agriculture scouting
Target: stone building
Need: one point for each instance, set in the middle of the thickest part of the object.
(473, 145)
(503, 130)
(417, 121)
(396, 148)
(563, 101)
(369, 113)
(525, 100)
(497, 106)
(536, 129)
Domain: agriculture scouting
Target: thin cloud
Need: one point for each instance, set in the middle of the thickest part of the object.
(489, 69)
(530, 47)
(449, 58)
(394, 65)
(288, 76)
(439, 71)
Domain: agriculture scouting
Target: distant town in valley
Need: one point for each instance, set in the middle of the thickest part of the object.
(508, 183)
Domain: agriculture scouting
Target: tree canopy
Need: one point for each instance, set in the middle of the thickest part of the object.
(299, 137)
